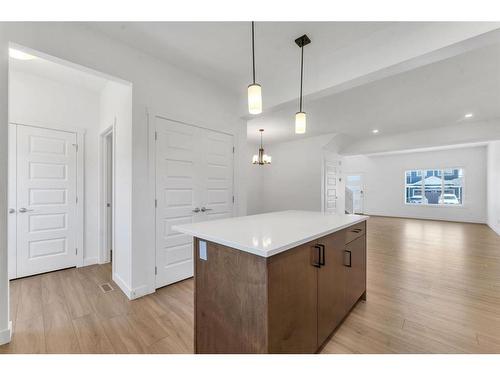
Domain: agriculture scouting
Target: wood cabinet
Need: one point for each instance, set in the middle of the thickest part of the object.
(355, 271)
(331, 286)
(293, 301)
(288, 303)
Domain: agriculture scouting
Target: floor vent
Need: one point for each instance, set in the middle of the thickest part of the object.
(106, 287)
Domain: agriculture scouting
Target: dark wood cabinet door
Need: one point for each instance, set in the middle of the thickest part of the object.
(331, 286)
(355, 283)
(292, 301)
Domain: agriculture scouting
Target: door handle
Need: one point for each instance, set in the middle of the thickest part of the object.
(347, 255)
(318, 263)
(12, 210)
(197, 209)
(203, 209)
(322, 260)
(23, 210)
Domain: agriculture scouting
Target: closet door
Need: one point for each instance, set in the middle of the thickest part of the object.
(194, 182)
(178, 197)
(217, 175)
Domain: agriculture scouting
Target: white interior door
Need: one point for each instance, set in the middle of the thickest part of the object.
(330, 188)
(194, 182)
(217, 171)
(46, 200)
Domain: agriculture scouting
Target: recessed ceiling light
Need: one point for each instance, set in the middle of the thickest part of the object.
(20, 55)
(469, 115)
(375, 131)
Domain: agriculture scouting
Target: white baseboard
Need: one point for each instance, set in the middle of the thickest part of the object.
(123, 286)
(422, 217)
(6, 334)
(494, 228)
(89, 261)
(141, 291)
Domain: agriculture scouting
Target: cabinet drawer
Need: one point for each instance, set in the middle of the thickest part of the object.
(355, 231)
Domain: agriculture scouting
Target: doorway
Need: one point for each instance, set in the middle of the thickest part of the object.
(355, 193)
(106, 195)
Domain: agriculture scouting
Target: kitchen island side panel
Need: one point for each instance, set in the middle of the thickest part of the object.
(230, 301)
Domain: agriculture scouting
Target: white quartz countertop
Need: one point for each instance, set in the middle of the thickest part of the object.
(272, 233)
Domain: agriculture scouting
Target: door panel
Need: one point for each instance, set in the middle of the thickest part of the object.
(177, 194)
(330, 187)
(356, 273)
(331, 286)
(193, 170)
(217, 168)
(46, 188)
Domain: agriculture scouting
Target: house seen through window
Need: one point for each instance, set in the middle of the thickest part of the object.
(434, 186)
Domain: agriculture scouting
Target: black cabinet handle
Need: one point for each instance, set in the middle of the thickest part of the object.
(322, 260)
(347, 258)
(357, 230)
(317, 265)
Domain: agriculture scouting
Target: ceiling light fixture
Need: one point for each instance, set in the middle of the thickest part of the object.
(300, 116)
(20, 55)
(261, 158)
(469, 115)
(375, 131)
(254, 90)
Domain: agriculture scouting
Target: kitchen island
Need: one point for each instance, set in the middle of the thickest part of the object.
(275, 283)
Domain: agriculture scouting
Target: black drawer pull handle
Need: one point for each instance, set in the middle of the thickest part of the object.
(322, 260)
(357, 230)
(317, 265)
(347, 258)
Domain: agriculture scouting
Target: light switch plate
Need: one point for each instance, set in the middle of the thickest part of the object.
(203, 249)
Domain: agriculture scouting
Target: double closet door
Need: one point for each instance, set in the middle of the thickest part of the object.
(194, 182)
(43, 225)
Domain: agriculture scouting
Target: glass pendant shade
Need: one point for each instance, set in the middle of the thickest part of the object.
(254, 99)
(300, 123)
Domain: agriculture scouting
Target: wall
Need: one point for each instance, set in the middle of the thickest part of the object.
(293, 180)
(384, 183)
(158, 88)
(494, 186)
(116, 111)
(34, 100)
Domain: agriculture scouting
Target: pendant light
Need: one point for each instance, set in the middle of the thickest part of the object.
(300, 116)
(254, 90)
(261, 158)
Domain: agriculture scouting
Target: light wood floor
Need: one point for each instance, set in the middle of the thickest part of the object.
(433, 287)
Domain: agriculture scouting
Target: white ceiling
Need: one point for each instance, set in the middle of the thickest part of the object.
(434, 95)
(58, 72)
(339, 52)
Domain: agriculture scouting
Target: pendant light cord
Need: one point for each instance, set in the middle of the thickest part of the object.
(301, 72)
(253, 52)
(261, 138)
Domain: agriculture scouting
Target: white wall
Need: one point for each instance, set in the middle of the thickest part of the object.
(116, 111)
(494, 186)
(5, 323)
(384, 183)
(38, 101)
(292, 181)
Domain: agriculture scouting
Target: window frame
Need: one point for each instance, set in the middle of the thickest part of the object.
(422, 187)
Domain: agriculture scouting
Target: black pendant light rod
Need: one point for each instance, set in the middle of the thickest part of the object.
(261, 131)
(301, 74)
(301, 42)
(253, 52)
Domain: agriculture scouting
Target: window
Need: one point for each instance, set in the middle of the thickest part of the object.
(434, 187)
